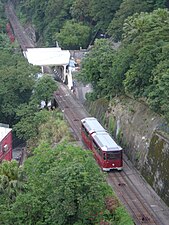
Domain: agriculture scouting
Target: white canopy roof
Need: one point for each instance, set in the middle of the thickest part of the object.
(47, 56)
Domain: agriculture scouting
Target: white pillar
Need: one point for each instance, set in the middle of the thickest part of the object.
(42, 69)
(70, 80)
(64, 73)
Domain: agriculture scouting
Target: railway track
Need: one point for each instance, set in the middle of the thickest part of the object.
(71, 109)
(18, 30)
(132, 199)
(22, 38)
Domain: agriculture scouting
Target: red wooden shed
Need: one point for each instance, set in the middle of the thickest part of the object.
(5, 143)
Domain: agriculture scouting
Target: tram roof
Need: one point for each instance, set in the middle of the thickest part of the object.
(92, 125)
(105, 142)
(47, 56)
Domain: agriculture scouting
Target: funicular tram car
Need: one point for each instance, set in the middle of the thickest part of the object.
(106, 152)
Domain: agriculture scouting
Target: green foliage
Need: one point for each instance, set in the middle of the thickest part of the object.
(111, 125)
(121, 217)
(2, 11)
(54, 129)
(44, 89)
(47, 16)
(26, 127)
(12, 179)
(105, 69)
(158, 95)
(50, 16)
(121, 63)
(73, 35)
(128, 8)
(96, 67)
(147, 75)
(102, 12)
(80, 11)
(69, 188)
(37, 126)
(139, 67)
(16, 84)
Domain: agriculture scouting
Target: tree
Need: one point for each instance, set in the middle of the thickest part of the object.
(12, 179)
(73, 35)
(148, 34)
(26, 127)
(158, 94)
(96, 67)
(120, 65)
(44, 89)
(102, 12)
(16, 84)
(48, 16)
(80, 11)
(128, 8)
(69, 190)
(35, 126)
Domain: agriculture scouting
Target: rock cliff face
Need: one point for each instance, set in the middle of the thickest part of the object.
(144, 136)
(156, 165)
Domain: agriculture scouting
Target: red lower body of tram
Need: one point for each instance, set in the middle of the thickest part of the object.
(107, 160)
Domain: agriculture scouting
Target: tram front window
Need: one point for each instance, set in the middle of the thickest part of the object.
(114, 155)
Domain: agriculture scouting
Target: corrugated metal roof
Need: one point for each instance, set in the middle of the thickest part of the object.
(105, 141)
(3, 132)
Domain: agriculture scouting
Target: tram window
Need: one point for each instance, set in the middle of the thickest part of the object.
(97, 148)
(85, 131)
(114, 155)
(104, 156)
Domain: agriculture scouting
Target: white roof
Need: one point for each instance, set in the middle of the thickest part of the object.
(47, 56)
(92, 125)
(105, 142)
(3, 132)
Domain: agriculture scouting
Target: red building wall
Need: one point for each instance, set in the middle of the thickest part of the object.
(6, 147)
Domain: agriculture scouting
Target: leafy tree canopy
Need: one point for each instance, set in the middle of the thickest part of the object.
(30, 118)
(96, 66)
(69, 189)
(148, 35)
(138, 67)
(80, 11)
(44, 89)
(73, 35)
(102, 12)
(12, 179)
(128, 8)
(16, 84)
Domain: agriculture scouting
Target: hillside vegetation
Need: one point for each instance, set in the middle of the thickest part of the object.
(75, 23)
(138, 68)
(43, 192)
